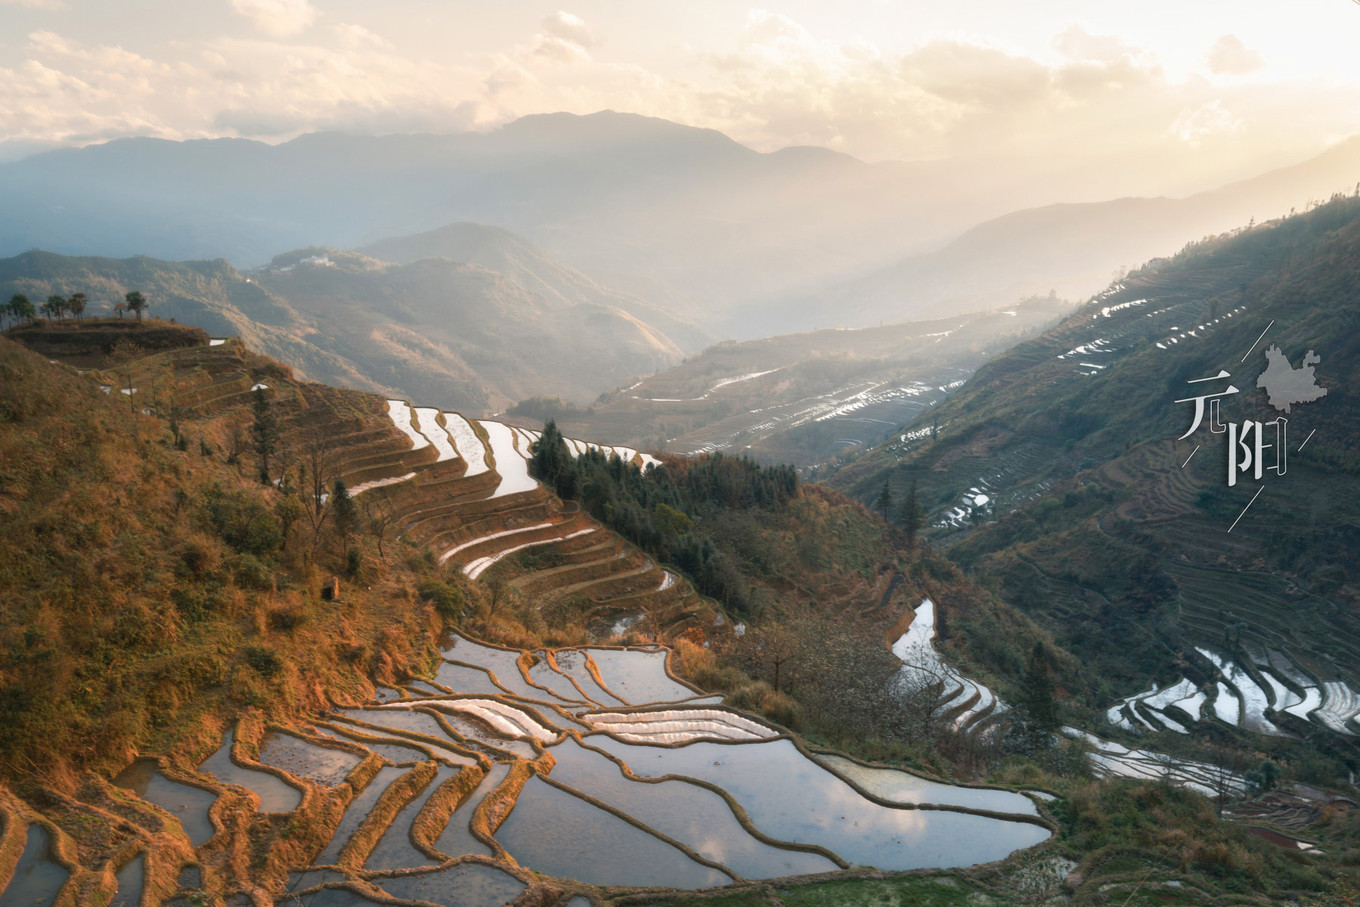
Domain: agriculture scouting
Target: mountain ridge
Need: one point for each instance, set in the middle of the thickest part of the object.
(433, 327)
(734, 235)
(1074, 247)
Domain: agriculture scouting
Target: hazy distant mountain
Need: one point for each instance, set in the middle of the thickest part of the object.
(456, 334)
(516, 258)
(729, 235)
(1073, 249)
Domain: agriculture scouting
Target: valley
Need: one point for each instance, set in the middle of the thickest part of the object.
(327, 760)
(803, 399)
(456, 559)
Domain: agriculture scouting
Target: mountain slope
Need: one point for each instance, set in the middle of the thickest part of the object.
(1057, 475)
(505, 253)
(434, 328)
(185, 716)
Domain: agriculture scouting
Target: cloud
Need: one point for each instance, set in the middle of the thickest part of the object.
(776, 84)
(1229, 56)
(774, 34)
(1078, 44)
(69, 92)
(569, 27)
(355, 36)
(277, 18)
(565, 38)
(560, 50)
(978, 77)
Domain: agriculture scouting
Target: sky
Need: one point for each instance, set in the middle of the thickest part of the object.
(1201, 89)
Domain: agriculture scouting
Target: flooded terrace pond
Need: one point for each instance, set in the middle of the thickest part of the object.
(129, 880)
(543, 674)
(465, 679)
(898, 786)
(390, 749)
(561, 835)
(411, 722)
(693, 815)
(638, 676)
(37, 878)
(457, 839)
(572, 662)
(276, 795)
(395, 849)
(827, 810)
(186, 803)
(502, 663)
(467, 885)
(356, 813)
(322, 764)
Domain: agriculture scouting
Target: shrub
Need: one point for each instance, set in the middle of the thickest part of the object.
(448, 601)
(252, 573)
(263, 659)
(199, 556)
(244, 523)
(354, 564)
(288, 617)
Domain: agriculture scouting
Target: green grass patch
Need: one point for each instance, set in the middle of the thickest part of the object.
(913, 891)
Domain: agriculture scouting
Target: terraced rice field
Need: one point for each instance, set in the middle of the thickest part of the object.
(969, 705)
(508, 773)
(1117, 326)
(638, 795)
(1109, 759)
(861, 411)
(463, 487)
(1245, 693)
(972, 707)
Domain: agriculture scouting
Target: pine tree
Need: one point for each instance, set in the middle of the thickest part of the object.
(1036, 692)
(885, 501)
(346, 513)
(265, 432)
(551, 462)
(912, 515)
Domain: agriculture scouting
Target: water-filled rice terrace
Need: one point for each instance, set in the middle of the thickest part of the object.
(972, 708)
(576, 772)
(597, 767)
(1267, 692)
(462, 486)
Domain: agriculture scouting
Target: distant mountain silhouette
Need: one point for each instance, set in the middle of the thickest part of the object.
(739, 242)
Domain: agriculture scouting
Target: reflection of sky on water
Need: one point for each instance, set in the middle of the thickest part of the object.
(688, 813)
(827, 811)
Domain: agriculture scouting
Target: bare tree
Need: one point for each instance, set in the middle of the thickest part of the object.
(317, 455)
(379, 516)
(769, 648)
(1226, 775)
